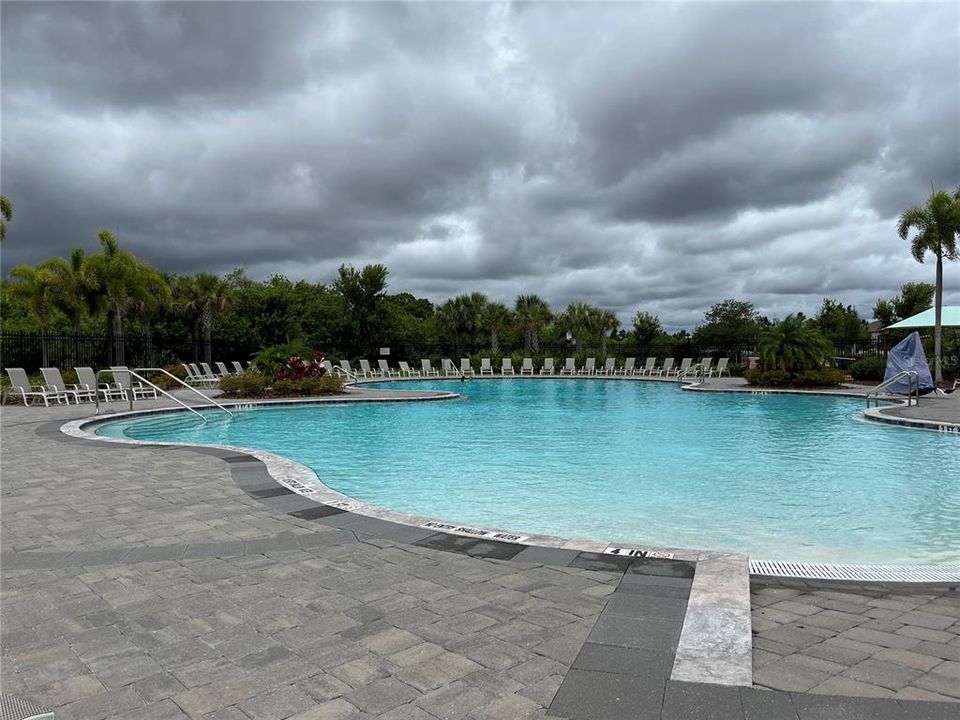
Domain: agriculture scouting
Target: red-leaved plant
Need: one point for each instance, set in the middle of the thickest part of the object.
(297, 369)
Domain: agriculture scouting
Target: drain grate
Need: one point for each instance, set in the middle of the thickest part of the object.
(865, 573)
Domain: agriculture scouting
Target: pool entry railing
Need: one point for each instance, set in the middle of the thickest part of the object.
(913, 388)
(138, 376)
(692, 374)
(340, 370)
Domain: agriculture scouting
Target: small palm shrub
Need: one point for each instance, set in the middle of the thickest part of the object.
(273, 359)
(794, 345)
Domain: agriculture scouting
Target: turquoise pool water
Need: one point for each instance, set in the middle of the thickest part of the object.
(781, 477)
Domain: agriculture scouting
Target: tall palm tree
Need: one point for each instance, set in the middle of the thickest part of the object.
(609, 324)
(73, 285)
(201, 298)
(6, 215)
(122, 282)
(533, 314)
(937, 225)
(36, 287)
(461, 318)
(494, 317)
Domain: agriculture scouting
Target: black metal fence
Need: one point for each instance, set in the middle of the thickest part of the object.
(66, 350)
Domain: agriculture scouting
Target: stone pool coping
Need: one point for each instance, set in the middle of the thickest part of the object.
(304, 481)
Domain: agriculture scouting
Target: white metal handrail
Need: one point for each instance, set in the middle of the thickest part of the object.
(135, 374)
(342, 371)
(913, 386)
(695, 371)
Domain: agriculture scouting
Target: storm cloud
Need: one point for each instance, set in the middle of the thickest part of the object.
(647, 156)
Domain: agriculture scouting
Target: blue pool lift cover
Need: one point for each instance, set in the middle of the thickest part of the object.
(908, 355)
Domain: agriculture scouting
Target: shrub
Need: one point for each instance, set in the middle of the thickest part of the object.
(868, 368)
(296, 369)
(165, 383)
(824, 377)
(767, 378)
(309, 386)
(736, 369)
(273, 359)
(244, 385)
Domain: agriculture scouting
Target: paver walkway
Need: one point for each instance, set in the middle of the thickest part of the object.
(857, 641)
(144, 583)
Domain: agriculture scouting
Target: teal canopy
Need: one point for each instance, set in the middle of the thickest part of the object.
(950, 317)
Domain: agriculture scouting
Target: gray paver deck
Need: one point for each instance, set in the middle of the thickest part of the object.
(859, 641)
(145, 582)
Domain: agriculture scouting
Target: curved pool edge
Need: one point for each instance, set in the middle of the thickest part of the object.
(304, 481)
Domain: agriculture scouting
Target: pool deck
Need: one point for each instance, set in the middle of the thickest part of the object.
(160, 582)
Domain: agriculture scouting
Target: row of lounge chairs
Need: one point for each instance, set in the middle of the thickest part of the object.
(87, 389)
(629, 368)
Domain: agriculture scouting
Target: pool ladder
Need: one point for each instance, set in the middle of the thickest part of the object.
(913, 387)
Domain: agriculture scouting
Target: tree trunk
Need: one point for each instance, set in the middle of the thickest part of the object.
(535, 340)
(43, 348)
(603, 344)
(109, 338)
(207, 342)
(118, 337)
(494, 340)
(937, 328)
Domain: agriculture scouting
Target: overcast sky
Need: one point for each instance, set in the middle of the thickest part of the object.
(646, 156)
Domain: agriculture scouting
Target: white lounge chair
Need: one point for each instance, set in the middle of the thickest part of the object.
(222, 369)
(506, 367)
(547, 368)
(705, 365)
(53, 382)
(20, 387)
(126, 382)
(406, 371)
(385, 369)
(608, 367)
(328, 366)
(88, 381)
(237, 367)
(721, 368)
(427, 370)
(466, 368)
(664, 369)
(349, 371)
(589, 367)
(684, 366)
(648, 367)
(203, 378)
(627, 368)
(367, 370)
(485, 367)
(527, 367)
(569, 367)
(449, 369)
(208, 371)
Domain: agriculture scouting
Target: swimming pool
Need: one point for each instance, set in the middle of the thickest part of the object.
(784, 477)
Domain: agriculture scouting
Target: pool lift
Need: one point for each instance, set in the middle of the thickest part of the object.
(137, 374)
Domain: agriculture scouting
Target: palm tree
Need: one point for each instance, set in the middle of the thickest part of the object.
(73, 285)
(579, 320)
(609, 324)
(937, 225)
(200, 298)
(794, 344)
(461, 318)
(6, 215)
(36, 287)
(494, 317)
(533, 314)
(122, 282)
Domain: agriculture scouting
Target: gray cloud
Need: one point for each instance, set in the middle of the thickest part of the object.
(637, 156)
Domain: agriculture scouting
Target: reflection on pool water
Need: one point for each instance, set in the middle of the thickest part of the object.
(784, 477)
